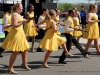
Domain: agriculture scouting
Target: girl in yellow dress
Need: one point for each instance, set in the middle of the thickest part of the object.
(28, 29)
(92, 28)
(77, 34)
(57, 19)
(51, 40)
(16, 40)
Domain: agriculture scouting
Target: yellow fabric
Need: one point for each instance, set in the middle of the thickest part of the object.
(57, 17)
(16, 40)
(58, 32)
(76, 22)
(43, 17)
(71, 24)
(92, 28)
(51, 40)
(99, 31)
(9, 21)
(28, 29)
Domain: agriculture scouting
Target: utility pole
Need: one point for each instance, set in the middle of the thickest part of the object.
(49, 4)
(25, 4)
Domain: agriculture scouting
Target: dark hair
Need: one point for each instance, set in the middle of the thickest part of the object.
(82, 6)
(56, 10)
(44, 9)
(70, 11)
(30, 6)
(9, 8)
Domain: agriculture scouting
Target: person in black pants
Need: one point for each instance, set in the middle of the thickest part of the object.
(40, 36)
(69, 28)
(6, 22)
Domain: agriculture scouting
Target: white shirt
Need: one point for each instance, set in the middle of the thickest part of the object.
(6, 21)
(67, 27)
(42, 25)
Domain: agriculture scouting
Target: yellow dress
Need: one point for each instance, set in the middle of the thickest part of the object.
(58, 32)
(28, 29)
(51, 40)
(9, 21)
(76, 22)
(92, 28)
(16, 40)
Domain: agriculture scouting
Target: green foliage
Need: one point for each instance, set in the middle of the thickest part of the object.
(79, 6)
(64, 6)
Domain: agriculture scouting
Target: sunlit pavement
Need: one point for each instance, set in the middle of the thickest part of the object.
(76, 65)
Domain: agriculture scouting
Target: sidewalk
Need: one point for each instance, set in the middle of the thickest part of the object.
(83, 42)
(76, 65)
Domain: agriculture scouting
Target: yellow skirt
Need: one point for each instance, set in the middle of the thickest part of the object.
(58, 33)
(77, 33)
(7, 29)
(51, 42)
(16, 41)
(29, 30)
(92, 32)
(99, 32)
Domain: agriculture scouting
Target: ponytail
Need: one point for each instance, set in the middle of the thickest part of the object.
(13, 9)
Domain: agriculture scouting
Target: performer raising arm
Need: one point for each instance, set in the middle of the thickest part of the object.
(51, 40)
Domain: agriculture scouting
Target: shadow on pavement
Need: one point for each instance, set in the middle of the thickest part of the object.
(3, 71)
(66, 56)
(55, 63)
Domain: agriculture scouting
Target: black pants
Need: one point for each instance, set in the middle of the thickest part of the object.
(6, 33)
(40, 36)
(71, 39)
(1, 49)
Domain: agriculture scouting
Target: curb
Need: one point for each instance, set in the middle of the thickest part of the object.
(83, 45)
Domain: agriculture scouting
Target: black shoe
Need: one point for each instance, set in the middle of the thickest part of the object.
(40, 51)
(62, 62)
(20, 52)
(1, 51)
(1, 55)
(59, 47)
(85, 54)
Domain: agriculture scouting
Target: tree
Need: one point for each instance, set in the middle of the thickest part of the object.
(64, 6)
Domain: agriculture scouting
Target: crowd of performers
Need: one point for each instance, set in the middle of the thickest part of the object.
(18, 30)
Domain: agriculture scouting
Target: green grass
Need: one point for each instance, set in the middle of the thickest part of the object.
(2, 35)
